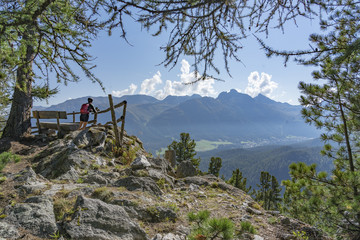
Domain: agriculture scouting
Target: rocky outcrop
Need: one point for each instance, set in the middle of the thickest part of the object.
(35, 215)
(94, 219)
(81, 189)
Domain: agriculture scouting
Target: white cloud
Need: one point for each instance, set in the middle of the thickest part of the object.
(260, 84)
(148, 85)
(184, 86)
(129, 91)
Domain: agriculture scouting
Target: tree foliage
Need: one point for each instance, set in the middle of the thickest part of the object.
(334, 107)
(237, 180)
(215, 165)
(185, 149)
(269, 192)
(210, 228)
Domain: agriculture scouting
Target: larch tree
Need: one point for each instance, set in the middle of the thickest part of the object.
(39, 39)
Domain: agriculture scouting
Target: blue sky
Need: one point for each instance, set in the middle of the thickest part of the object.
(134, 69)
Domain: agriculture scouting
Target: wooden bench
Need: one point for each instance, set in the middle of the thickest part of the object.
(60, 127)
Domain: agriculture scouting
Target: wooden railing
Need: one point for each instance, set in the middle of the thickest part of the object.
(114, 121)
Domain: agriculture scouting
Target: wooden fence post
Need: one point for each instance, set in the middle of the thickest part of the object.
(123, 123)
(95, 118)
(117, 137)
(73, 116)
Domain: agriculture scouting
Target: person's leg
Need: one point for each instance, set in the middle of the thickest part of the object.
(80, 125)
(85, 123)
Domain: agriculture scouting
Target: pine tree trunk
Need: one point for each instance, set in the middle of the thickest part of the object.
(19, 122)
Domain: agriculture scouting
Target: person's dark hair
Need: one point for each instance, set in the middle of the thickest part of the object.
(90, 100)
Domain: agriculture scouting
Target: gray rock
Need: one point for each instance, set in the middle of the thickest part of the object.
(8, 231)
(168, 236)
(71, 175)
(67, 159)
(95, 178)
(161, 164)
(94, 219)
(145, 184)
(93, 137)
(157, 175)
(257, 237)
(140, 162)
(197, 181)
(185, 169)
(194, 187)
(35, 215)
(253, 211)
(27, 176)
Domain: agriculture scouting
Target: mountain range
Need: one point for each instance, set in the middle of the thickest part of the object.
(232, 116)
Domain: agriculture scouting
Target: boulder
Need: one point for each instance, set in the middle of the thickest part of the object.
(140, 162)
(94, 219)
(36, 215)
(145, 184)
(185, 169)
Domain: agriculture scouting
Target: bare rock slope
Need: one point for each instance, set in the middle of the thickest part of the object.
(76, 188)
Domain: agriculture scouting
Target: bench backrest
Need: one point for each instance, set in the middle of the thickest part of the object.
(49, 114)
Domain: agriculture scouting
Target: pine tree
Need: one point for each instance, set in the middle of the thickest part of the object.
(215, 166)
(263, 194)
(334, 107)
(275, 194)
(185, 149)
(237, 180)
(269, 192)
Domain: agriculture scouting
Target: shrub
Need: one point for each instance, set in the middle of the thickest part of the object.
(247, 227)
(210, 228)
(300, 235)
(6, 157)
